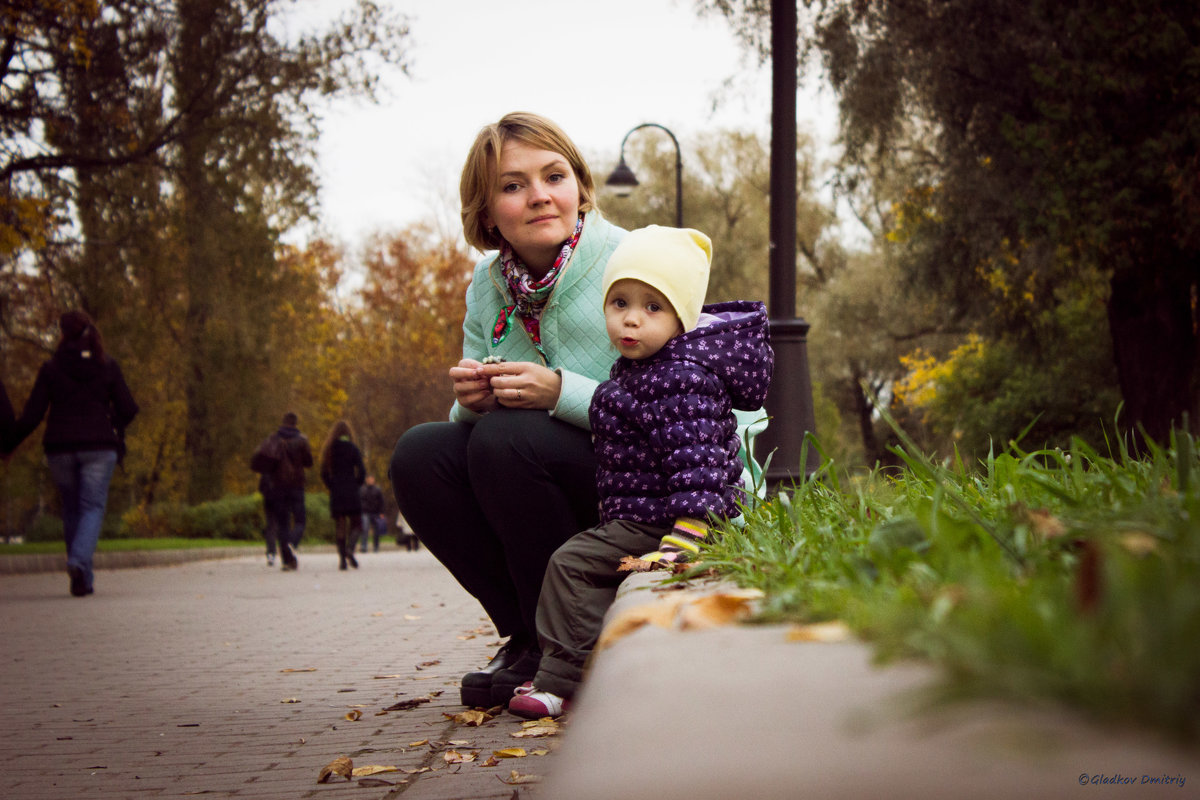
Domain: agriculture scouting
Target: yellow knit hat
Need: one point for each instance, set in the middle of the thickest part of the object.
(675, 261)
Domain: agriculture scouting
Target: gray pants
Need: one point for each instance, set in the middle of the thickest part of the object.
(581, 583)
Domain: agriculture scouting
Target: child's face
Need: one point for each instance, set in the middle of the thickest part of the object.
(639, 319)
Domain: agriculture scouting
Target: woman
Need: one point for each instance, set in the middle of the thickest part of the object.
(343, 473)
(494, 491)
(90, 406)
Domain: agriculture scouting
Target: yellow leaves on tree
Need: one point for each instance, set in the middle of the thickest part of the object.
(918, 388)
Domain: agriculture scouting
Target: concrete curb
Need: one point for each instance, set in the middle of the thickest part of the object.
(749, 711)
(25, 563)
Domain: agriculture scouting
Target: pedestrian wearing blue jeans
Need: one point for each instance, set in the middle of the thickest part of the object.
(89, 407)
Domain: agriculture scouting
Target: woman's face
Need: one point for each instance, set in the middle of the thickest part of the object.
(534, 203)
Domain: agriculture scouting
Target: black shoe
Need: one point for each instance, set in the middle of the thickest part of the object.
(506, 681)
(477, 686)
(79, 586)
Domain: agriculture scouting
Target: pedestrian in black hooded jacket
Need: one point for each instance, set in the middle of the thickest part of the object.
(89, 406)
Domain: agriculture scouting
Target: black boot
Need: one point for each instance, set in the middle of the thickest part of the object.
(341, 548)
(287, 556)
(477, 686)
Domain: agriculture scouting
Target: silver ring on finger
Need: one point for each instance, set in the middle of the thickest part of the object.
(518, 394)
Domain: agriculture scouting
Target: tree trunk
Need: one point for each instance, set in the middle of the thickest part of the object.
(195, 84)
(1153, 320)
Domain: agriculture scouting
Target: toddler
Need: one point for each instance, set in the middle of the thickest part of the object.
(666, 441)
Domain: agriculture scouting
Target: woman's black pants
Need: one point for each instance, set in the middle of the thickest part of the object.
(494, 499)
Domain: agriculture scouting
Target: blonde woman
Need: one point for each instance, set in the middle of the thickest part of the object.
(512, 475)
(342, 472)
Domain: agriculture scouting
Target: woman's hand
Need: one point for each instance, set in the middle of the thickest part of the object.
(523, 384)
(472, 389)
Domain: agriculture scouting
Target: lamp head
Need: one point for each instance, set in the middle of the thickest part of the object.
(622, 180)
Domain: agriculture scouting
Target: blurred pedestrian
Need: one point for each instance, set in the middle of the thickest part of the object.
(7, 419)
(405, 535)
(282, 459)
(343, 473)
(374, 521)
(89, 407)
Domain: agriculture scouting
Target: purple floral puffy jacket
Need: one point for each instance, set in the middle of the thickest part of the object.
(665, 435)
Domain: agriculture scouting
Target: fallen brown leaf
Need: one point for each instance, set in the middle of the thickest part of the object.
(721, 608)
(515, 778)
(290, 700)
(546, 726)
(490, 761)
(372, 769)
(342, 766)
(471, 718)
(1045, 524)
(300, 669)
(634, 564)
(353, 716)
(510, 752)
(661, 612)
(455, 757)
(405, 705)
(834, 631)
(1139, 543)
(420, 743)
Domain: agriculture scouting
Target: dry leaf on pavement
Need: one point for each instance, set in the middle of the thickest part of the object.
(510, 752)
(515, 777)
(546, 726)
(406, 705)
(300, 669)
(471, 718)
(353, 715)
(290, 700)
(372, 769)
(455, 757)
(342, 766)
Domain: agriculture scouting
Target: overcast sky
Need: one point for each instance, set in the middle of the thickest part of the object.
(597, 68)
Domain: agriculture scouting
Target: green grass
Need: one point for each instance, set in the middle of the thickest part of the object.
(117, 545)
(1070, 576)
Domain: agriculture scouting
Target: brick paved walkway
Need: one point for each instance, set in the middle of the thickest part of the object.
(175, 682)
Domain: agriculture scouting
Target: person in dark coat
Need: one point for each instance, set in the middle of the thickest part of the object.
(373, 519)
(281, 460)
(7, 419)
(89, 407)
(343, 472)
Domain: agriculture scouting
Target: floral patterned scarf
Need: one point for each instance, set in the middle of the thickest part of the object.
(529, 294)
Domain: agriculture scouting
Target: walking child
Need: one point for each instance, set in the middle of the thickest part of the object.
(665, 436)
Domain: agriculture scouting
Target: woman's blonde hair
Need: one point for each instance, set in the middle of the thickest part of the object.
(483, 161)
(340, 428)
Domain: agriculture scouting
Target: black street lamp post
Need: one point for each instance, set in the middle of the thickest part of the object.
(622, 179)
(789, 401)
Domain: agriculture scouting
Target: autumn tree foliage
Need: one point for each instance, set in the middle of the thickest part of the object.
(407, 334)
(154, 155)
(1057, 177)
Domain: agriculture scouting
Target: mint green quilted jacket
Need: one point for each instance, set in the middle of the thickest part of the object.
(573, 333)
